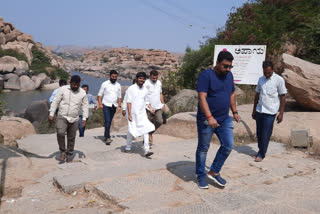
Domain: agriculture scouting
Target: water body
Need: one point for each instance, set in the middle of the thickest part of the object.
(18, 101)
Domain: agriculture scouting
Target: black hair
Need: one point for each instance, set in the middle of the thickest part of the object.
(85, 86)
(113, 72)
(154, 72)
(266, 64)
(62, 82)
(224, 55)
(75, 79)
(141, 74)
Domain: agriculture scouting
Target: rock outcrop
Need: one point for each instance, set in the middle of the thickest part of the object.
(303, 81)
(12, 39)
(185, 101)
(37, 111)
(126, 61)
(14, 128)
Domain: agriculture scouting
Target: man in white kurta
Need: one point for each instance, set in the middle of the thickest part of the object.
(138, 123)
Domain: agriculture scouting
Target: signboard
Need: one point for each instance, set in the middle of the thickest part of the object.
(247, 62)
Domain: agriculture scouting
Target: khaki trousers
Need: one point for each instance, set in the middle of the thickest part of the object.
(63, 127)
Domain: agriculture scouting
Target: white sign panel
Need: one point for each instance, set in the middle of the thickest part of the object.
(247, 62)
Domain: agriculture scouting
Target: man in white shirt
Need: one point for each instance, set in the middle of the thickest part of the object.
(138, 123)
(109, 99)
(155, 98)
(269, 99)
(70, 99)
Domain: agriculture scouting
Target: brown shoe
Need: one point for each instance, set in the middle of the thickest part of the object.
(69, 159)
(258, 159)
(62, 156)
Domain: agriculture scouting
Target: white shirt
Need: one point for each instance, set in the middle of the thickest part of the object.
(110, 92)
(270, 91)
(154, 91)
(69, 103)
(140, 124)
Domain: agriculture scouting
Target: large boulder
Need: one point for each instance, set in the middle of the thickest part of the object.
(8, 64)
(22, 47)
(303, 81)
(25, 38)
(13, 82)
(14, 128)
(40, 80)
(37, 111)
(26, 84)
(185, 101)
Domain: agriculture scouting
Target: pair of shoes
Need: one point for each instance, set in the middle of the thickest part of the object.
(62, 156)
(108, 141)
(258, 159)
(217, 179)
(147, 154)
(202, 183)
(69, 158)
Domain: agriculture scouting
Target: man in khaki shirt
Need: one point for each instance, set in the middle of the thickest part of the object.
(69, 99)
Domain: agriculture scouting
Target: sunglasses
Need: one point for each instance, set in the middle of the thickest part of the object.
(228, 66)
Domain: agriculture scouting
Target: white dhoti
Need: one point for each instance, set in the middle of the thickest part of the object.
(140, 124)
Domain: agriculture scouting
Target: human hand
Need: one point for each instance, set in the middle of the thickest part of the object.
(83, 123)
(50, 119)
(253, 115)
(123, 112)
(279, 117)
(237, 117)
(213, 123)
(130, 117)
(100, 106)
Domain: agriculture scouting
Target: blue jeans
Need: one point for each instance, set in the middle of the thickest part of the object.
(81, 128)
(108, 113)
(225, 134)
(264, 124)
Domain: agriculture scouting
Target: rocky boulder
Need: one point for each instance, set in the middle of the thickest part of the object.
(14, 128)
(302, 80)
(8, 64)
(185, 101)
(37, 111)
(1, 83)
(2, 39)
(40, 80)
(22, 47)
(25, 38)
(26, 84)
(13, 82)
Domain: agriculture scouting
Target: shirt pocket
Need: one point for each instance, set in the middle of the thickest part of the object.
(271, 90)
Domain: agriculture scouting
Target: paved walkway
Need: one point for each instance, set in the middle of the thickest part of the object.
(105, 179)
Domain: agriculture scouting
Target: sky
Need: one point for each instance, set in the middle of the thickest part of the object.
(170, 25)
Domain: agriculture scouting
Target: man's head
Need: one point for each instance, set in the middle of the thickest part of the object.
(75, 82)
(154, 75)
(224, 62)
(141, 78)
(85, 88)
(267, 69)
(113, 76)
(62, 82)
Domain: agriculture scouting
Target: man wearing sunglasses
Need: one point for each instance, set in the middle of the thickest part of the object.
(216, 95)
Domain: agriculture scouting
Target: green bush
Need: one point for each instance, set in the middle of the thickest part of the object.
(105, 59)
(260, 22)
(170, 86)
(2, 107)
(41, 64)
(13, 53)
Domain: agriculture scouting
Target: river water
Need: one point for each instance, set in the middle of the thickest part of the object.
(17, 101)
